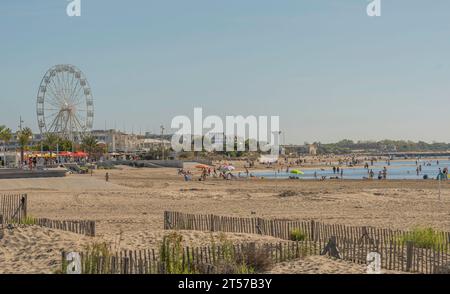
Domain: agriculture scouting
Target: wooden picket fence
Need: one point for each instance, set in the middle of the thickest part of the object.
(204, 260)
(396, 255)
(1, 227)
(83, 227)
(316, 231)
(13, 207)
(352, 243)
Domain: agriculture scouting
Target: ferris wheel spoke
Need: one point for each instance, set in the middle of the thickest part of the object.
(68, 89)
(61, 83)
(49, 89)
(62, 126)
(74, 93)
(56, 93)
(80, 116)
(78, 99)
(54, 122)
(71, 86)
(74, 90)
(78, 122)
(65, 86)
(54, 100)
(80, 102)
(67, 122)
(81, 121)
(77, 96)
(50, 102)
(61, 86)
(57, 82)
(52, 114)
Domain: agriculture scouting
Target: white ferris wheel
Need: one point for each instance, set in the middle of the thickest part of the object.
(64, 103)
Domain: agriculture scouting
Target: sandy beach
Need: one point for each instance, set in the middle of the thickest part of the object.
(129, 210)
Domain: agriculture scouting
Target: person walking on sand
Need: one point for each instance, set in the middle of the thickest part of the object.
(342, 173)
(107, 177)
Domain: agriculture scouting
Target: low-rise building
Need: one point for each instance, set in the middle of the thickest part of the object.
(116, 141)
(149, 144)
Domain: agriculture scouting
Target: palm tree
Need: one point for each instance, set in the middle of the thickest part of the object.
(89, 144)
(66, 145)
(51, 140)
(5, 136)
(24, 136)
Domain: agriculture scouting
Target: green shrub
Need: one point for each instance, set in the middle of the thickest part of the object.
(28, 221)
(253, 259)
(244, 269)
(171, 255)
(249, 259)
(297, 235)
(96, 258)
(424, 238)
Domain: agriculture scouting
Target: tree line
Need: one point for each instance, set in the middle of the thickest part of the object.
(51, 142)
(348, 146)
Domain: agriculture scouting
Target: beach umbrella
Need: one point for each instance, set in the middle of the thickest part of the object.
(202, 166)
(80, 154)
(297, 172)
(228, 168)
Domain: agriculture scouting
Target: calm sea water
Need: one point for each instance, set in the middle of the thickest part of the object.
(396, 170)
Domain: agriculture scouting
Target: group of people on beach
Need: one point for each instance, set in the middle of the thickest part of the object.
(338, 170)
(207, 172)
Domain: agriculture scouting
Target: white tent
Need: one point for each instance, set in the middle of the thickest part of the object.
(268, 158)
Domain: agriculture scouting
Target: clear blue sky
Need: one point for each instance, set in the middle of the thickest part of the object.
(329, 70)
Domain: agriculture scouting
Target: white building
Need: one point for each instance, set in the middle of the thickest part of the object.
(117, 141)
(153, 144)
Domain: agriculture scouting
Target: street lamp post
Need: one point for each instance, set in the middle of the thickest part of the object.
(162, 142)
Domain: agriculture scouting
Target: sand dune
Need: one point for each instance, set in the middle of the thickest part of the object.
(38, 250)
(321, 265)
